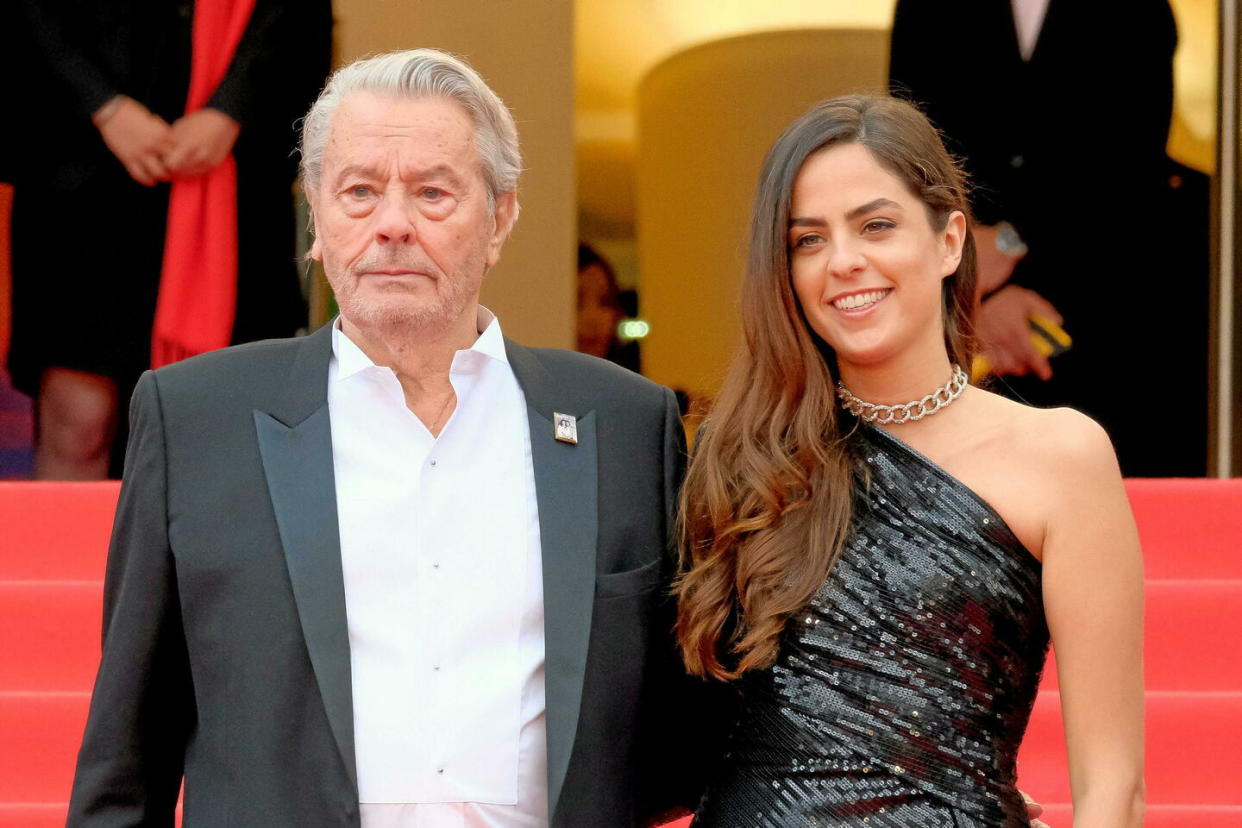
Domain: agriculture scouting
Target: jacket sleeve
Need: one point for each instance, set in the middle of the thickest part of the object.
(142, 709)
(688, 714)
(64, 57)
(279, 66)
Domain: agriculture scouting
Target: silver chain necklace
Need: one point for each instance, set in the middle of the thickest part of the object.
(906, 412)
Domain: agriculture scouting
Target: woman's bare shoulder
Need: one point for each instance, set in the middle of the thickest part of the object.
(1062, 439)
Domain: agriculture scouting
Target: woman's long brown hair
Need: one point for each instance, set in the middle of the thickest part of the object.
(767, 502)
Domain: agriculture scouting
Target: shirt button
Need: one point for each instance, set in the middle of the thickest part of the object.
(436, 668)
(435, 565)
(439, 770)
(433, 463)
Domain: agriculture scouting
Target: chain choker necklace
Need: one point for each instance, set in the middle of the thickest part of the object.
(907, 412)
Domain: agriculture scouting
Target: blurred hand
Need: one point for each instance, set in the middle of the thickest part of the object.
(1005, 333)
(1033, 811)
(137, 138)
(200, 141)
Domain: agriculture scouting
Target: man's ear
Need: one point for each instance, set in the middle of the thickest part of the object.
(315, 252)
(954, 240)
(503, 219)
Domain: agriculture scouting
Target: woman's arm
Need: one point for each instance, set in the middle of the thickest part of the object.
(1093, 596)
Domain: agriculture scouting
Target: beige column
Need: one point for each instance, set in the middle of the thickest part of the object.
(524, 50)
(706, 117)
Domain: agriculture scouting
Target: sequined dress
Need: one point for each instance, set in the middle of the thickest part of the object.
(901, 694)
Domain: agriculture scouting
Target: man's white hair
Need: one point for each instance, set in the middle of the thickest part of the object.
(421, 73)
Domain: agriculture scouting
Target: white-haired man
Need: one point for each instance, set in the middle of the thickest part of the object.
(403, 571)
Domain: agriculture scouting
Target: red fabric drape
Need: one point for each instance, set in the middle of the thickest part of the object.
(198, 283)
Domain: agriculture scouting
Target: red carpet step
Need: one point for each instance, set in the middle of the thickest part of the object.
(1190, 529)
(55, 531)
(1191, 636)
(1192, 750)
(53, 541)
(40, 733)
(49, 634)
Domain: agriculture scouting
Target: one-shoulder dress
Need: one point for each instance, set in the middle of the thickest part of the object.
(901, 693)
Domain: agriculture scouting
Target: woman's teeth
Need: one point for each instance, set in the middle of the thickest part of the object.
(859, 300)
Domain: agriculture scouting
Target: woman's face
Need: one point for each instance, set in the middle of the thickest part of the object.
(598, 315)
(866, 262)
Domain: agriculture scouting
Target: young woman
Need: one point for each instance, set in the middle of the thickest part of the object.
(877, 552)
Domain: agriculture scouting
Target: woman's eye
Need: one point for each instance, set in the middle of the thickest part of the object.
(806, 241)
(878, 226)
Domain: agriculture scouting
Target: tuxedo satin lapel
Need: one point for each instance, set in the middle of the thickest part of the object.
(295, 442)
(565, 485)
(566, 478)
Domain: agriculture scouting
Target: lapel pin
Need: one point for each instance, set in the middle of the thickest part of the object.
(565, 427)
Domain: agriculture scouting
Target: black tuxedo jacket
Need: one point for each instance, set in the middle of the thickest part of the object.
(1070, 148)
(1087, 117)
(225, 650)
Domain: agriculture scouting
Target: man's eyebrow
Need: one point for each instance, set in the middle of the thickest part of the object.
(368, 171)
(439, 171)
(352, 170)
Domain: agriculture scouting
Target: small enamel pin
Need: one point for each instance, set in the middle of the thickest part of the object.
(566, 427)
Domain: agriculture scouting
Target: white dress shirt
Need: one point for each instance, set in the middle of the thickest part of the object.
(1028, 19)
(443, 594)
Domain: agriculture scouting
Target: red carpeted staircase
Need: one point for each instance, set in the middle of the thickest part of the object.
(53, 544)
(53, 539)
(1192, 548)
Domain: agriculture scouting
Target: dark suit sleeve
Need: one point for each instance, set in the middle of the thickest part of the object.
(1138, 77)
(280, 64)
(130, 765)
(674, 465)
(688, 712)
(67, 59)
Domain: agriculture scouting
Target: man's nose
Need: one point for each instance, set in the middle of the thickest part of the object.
(396, 222)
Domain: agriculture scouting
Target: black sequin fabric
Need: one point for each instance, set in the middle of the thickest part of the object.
(901, 693)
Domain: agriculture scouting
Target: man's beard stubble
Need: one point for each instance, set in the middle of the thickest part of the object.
(400, 310)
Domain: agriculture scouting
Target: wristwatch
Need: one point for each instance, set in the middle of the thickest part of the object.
(1008, 241)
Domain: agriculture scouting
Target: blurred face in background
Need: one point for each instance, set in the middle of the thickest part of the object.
(598, 311)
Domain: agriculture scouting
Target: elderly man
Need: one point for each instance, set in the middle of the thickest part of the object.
(403, 571)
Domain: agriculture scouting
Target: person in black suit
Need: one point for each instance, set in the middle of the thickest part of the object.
(1062, 123)
(290, 508)
(106, 129)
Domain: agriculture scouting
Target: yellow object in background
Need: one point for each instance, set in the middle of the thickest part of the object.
(1047, 336)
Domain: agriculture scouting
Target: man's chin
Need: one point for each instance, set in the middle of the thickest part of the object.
(397, 316)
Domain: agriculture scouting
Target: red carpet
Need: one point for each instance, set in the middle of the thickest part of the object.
(1192, 551)
(53, 544)
(53, 539)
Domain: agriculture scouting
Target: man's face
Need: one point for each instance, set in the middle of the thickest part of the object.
(401, 214)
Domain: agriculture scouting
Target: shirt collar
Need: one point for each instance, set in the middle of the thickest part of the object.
(350, 359)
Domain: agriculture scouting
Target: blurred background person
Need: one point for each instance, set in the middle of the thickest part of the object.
(126, 97)
(601, 310)
(1062, 122)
